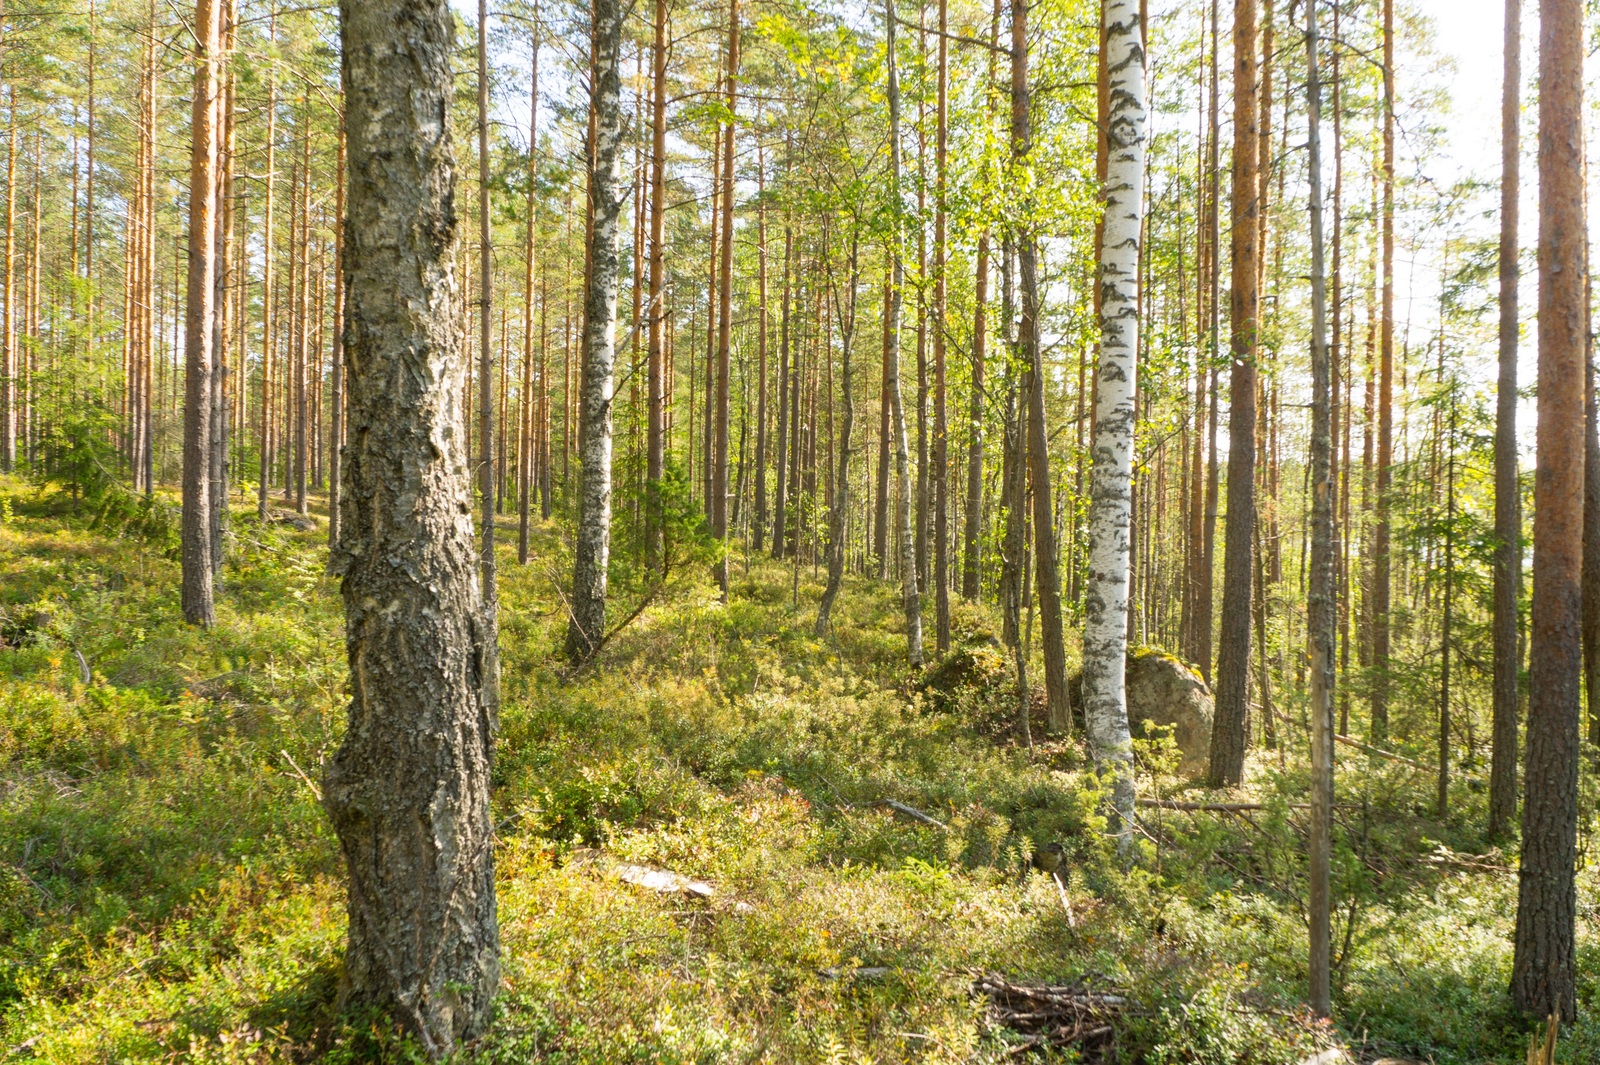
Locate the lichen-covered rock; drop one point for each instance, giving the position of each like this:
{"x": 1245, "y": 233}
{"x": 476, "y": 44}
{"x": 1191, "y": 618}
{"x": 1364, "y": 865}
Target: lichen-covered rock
{"x": 1164, "y": 691}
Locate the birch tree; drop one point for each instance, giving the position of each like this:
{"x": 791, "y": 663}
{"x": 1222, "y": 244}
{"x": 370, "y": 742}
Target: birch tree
{"x": 606, "y": 195}
{"x": 1105, "y": 631}
{"x": 408, "y": 790}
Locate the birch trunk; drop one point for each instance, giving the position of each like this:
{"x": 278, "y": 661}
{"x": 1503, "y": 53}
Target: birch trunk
{"x": 587, "y": 626}
{"x": 408, "y": 790}
{"x": 1105, "y": 633}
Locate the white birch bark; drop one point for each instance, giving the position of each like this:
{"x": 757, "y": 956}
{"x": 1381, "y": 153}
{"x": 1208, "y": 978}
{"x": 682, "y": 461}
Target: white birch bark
{"x": 593, "y": 552}
{"x": 1105, "y": 632}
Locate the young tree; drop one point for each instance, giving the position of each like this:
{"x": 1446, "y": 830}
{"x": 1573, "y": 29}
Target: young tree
{"x": 1320, "y": 594}
{"x": 486, "y": 461}
{"x": 1105, "y": 631}
{"x": 1381, "y": 540}
{"x": 719, "y": 458}
{"x": 1231, "y": 728}
{"x": 911, "y": 597}
{"x": 1507, "y": 502}
{"x": 408, "y": 790}
{"x": 199, "y": 319}
{"x": 1543, "y": 972}
{"x": 1038, "y": 457}
{"x": 587, "y": 625}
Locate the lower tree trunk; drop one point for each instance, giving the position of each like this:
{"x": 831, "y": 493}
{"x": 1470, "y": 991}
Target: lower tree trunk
{"x": 1543, "y": 974}
{"x": 587, "y": 625}
{"x": 199, "y": 325}
{"x": 408, "y": 790}
{"x": 1105, "y": 631}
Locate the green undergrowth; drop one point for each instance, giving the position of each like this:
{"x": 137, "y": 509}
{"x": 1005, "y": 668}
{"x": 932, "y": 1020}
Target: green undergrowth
{"x": 170, "y": 889}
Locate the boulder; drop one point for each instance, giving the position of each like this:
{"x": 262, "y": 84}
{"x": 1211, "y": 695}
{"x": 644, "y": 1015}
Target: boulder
{"x": 1164, "y": 691}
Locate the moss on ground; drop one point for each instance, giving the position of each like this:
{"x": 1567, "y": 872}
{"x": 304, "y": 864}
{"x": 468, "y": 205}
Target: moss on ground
{"x": 170, "y": 890}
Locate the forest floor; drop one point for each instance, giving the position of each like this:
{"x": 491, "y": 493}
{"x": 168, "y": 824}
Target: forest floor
{"x": 171, "y": 890}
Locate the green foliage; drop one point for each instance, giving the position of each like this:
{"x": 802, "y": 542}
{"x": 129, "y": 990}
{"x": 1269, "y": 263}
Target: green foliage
{"x": 169, "y": 888}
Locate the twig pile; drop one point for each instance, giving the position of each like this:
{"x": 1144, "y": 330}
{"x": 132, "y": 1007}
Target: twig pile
{"x": 1049, "y": 1015}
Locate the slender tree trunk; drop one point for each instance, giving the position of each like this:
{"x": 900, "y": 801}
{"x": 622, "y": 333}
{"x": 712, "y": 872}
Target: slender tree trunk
{"x": 1543, "y": 973}
{"x": 786, "y": 411}
{"x": 656, "y": 445}
{"x": 408, "y": 790}
{"x": 941, "y": 458}
{"x": 912, "y": 599}
{"x": 1380, "y": 561}
{"x": 1507, "y": 500}
{"x": 758, "y": 533}
{"x": 199, "y": 325}
{"x": 486, "y": 470}
{"x": 1230, "y": 732}
{"x": 587, "y": 624}
{"x": 1320, "y": 598}
{"x": 839, "y": 506}
{"x": 527, "y": 463}
{"x": 719, "y": 458}
{"x": 268, "y": 311}
{"x": 1105, "y": 634}
{"x": 336, "y": 435}
{"x": 1038, "y": 457}
{"x": 223, "y": 279}
{"x": 302, "y": 426}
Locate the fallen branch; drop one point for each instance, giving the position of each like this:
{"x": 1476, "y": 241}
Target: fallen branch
{"x": 1214, "y": 807}
{"x": 301, "y": 773}
{"x": 907, "y": 811}
{"x": 663, "y": 880}
{"x": 1048, "y": 1015}
{"x": 1349, "y": 741}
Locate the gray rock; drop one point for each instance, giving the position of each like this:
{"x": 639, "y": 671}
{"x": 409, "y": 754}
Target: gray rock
{"x": 1164, "y": 691}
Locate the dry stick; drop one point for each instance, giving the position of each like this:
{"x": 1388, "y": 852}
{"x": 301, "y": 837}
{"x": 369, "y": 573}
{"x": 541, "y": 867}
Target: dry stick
{"x": 1381, "y": 753}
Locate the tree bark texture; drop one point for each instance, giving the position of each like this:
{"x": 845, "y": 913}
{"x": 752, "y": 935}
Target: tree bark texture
{"x": 1542, "y": 977}
{"x": 1105, "y": 632}
{"x": 408, "y": 790}
{"x": 199, "y": 341}
{"x": 1507, "y": 498}
{"x": 1320, "y": 594}
{"x": 587, "y": 624}
{"x": 1231, "y": 729}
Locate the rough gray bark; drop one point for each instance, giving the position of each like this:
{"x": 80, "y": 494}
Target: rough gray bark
{"x": 1507, "y": 505}
{"x": 588, "y": 622}
{"x": 911, "y": 597}
{"x": 839, "y": 506}
{"x": 408, "y": 790}
{"x": 486, "y": 457}
{"x": 1105, "y": 630}
{"x": 1320, "y": 597}
{"x": 199, "y": 344}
